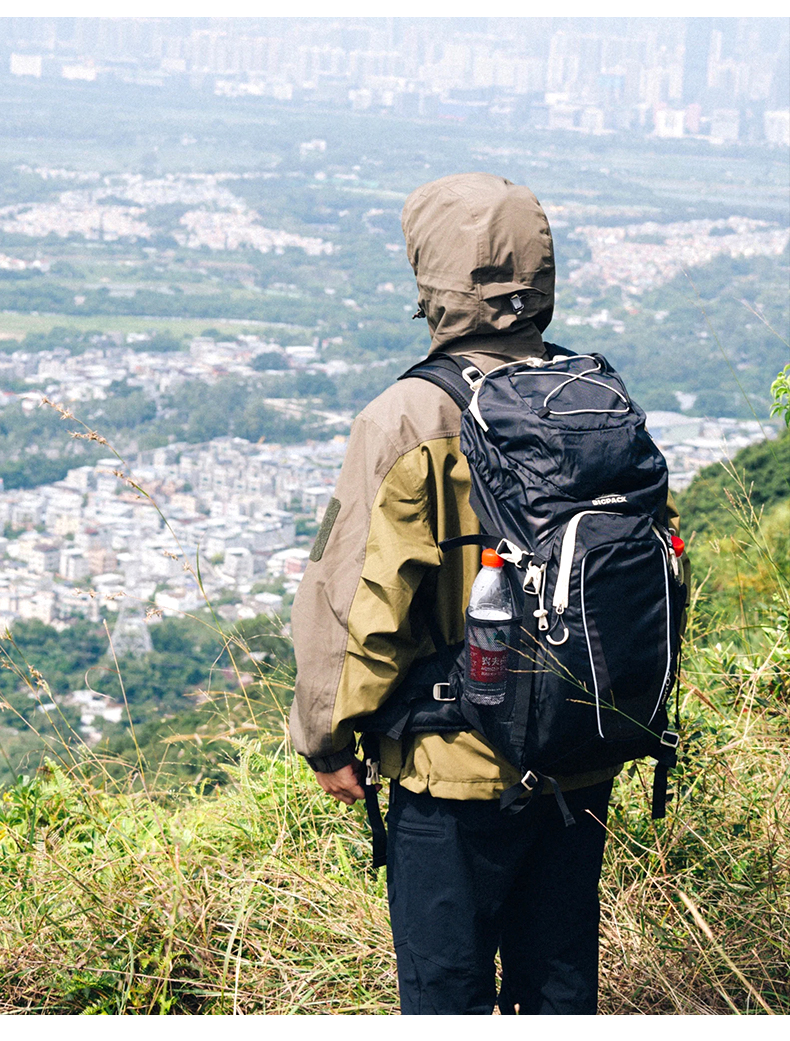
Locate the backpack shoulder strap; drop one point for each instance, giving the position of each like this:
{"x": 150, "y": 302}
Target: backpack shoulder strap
{"x": 555, "y": 351}
{"x": 446, "y": 372}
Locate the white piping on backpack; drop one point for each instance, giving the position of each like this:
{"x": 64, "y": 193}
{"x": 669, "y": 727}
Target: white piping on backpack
{"x": 567, "y": 553}
{"x": 540, "y": 363}
{"x": 583, "y": 377}
{"x": 590, "y": 655}
{"x": 562, "y": 588}
{"x": 670, "y": 552}
{"x": 669, "y": 636}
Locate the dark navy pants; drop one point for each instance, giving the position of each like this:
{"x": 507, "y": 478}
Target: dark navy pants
{"x": 466, "y": 880}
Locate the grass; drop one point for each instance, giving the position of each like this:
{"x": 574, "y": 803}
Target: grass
{"x": 257, "y": 898}
{"x": 250, "y": 900}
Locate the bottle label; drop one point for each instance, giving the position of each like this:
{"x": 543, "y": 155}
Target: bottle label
{"x": 487, "y": 666}
{"x": 487, "y": 654}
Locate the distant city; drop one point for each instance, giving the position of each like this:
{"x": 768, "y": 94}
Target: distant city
{"x": 201, "y": 260}
{"x": 722, "y": 79}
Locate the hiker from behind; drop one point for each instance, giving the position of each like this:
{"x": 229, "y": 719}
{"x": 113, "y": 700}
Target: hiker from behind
{"x": 488, "y": 849}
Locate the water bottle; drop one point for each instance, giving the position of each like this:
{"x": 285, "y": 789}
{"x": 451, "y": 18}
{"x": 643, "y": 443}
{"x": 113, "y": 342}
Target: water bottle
{"x": 488, "y": 633}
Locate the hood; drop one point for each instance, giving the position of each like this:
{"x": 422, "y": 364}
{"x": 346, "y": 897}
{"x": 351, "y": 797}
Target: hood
{"x": 473, "y": 241}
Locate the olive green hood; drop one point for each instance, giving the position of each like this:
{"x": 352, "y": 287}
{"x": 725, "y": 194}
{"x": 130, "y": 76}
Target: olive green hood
{"x": 473, "y": 241}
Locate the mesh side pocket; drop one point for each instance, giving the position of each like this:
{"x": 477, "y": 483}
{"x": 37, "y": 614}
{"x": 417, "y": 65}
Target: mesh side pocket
{"x": 488, "y": 655}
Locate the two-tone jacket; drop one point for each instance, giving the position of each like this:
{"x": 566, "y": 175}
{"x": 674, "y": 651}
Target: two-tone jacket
{"x": 375, "y": 574}
{"x": 376, "y": 571}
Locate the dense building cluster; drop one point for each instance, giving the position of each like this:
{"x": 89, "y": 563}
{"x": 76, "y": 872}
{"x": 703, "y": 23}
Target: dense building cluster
{"x": 216, "y": 218}
{"x": 187, "y": 525}
{"x": 724, "y": 79}
{"x": 641, "y": 256}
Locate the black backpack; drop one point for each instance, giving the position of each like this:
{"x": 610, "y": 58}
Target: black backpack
{"x": 571, "y": 491}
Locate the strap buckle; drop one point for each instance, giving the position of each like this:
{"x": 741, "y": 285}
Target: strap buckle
{"x": 510, "y": 552}
{"x": 530, "y": 780}
{"x": 670, "y": 739}
{"x": 472, "y": 375}
{"x": 534, "y": 578}
{"x": 372, "y": 776}
{"x": 438, "y": 689}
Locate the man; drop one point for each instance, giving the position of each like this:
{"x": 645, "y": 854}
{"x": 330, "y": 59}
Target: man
{"x": 464, "y": 878}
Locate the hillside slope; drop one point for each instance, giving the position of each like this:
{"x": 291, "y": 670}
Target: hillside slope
{"x": 761, "y": 470}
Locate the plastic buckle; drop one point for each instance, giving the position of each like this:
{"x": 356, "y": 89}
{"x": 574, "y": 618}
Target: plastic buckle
{"x": 437, "y": 692}
{"x": 670, "y": 739}
{"x": 372, "y": 776}
{"x": 510, "y": 552}
{"x": 534, "y": 578}
{"x": 472, "y": 375}
{"x": 529, "y": 780}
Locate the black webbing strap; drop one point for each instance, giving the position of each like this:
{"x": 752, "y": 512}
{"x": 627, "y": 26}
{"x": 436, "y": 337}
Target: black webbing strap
{"x": 555, "y": 351}
{"x": 567, "y": 816}
{"x": 370, "y": 749}
{"x": 396, "y": 726}
{"x": 446, "y": 657}
{"x": 660, "y": 778}
{"x": 489, "y": 541}
{"x": 445, "y": 372}
{"x": 508, "y": 798}
{"x": 667, "y": 759}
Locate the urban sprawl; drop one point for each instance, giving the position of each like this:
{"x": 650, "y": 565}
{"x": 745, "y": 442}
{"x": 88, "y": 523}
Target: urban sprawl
{"x": 725, "y": 80}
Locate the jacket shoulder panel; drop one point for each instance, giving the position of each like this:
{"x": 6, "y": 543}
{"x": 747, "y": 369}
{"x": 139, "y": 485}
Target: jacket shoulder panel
{"x": 411, "y": 412}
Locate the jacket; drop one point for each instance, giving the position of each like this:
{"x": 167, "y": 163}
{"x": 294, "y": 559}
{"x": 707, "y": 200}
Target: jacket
{"x": 376, "y": 571}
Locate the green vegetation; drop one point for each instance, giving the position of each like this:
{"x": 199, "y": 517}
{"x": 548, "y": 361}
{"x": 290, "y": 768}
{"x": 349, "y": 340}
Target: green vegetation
{"x": 32, "y": 449}
{"x": 720, "y": 337}
{"x": 199, "y": 679}
{"x": 196, "y": 412}
{"x": 780, "y": 388}
{"x": 762, "y": 470}
{"x": 17, "y": 326}
{"x": 248, "y": 900}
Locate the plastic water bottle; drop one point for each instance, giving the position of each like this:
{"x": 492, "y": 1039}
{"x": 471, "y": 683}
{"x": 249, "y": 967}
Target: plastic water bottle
{"x": 488, "y": 633}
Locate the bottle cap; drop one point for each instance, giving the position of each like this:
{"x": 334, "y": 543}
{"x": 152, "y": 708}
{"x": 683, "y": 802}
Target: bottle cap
{"x": 678, "y": 545}
{"x": 491, "y": 558}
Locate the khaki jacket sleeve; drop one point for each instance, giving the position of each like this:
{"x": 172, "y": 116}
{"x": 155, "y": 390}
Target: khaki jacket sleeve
{"x": 355, "y": 634}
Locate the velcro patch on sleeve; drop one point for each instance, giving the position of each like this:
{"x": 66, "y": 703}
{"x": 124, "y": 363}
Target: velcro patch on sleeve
{"x": 321, "y": 539}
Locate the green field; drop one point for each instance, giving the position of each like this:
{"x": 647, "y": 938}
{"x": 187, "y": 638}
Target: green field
{"x": 17, "y": 326}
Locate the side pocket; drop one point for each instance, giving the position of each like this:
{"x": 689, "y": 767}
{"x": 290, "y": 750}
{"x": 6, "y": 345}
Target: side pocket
{"x": 491, "y": 707}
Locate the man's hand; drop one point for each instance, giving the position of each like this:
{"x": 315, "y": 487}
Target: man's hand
{"x": 345, "y": 784}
